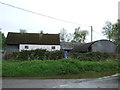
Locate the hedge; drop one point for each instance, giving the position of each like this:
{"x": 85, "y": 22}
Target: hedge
{"x": 40, "y": 54}
{"x": 92, "y": 56}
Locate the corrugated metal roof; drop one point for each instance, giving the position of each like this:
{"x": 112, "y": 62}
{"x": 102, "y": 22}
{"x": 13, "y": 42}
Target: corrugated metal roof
{"x": 32, "y": 38}
{"x": 68, "y": 45}
{"x": 85, "y": 47}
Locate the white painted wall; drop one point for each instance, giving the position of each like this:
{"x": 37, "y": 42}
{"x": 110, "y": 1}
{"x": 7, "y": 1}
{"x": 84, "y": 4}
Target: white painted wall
{"x": 33, "y": 47}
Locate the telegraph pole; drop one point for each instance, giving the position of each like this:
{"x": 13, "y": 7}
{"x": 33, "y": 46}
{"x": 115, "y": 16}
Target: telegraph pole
{"x": 91, "y": 33}
{"x": 119, "y": 10}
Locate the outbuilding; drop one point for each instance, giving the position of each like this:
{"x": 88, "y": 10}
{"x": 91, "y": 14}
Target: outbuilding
{"x": 97, "y": 46}
{"x": 68, "y": 46}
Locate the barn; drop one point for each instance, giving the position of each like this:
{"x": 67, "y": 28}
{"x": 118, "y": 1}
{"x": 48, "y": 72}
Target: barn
{"x": 96, "y": 46}
{"x": 30, "y": 41}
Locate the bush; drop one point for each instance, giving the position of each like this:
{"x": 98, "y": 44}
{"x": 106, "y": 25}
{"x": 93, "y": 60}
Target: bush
{"x": 54, "y": 55}
{"x": 38, "y": 54}
{"x": 91, "y": 56}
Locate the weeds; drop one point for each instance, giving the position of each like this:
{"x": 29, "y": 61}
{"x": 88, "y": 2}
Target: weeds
{"x": 59, "y": 67}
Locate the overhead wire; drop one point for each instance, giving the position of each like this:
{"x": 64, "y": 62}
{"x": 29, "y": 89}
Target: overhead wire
{"x": 97, "y": 33}
{"x": 42, "y": 14}
{"x": 46, "y": 16}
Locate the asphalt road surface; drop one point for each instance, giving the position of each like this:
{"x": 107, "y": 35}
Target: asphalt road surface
{"x": 104, "y": 82}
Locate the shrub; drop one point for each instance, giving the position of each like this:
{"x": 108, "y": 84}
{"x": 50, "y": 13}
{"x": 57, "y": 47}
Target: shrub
{"x": 91, "y": 56}
{"x": 38, "y": 54}
{"x": 54, "y": 55}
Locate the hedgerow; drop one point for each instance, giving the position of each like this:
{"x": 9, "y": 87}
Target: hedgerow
{"x": 92, "y": 56}
{"x": 40, "y": 54}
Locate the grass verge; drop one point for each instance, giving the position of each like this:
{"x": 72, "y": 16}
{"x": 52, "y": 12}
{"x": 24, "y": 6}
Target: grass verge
{"x": 36, "y": 68}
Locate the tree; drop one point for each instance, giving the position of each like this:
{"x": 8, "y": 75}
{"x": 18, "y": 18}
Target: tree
{"x": 64, "y": 36}
{"x": 79, "y": 35}
{"x": 41, "y": 32}
{"x": 2, "y": 41}
{"x": 84, "y": 33}
{"x": 107, "y": 30}
{"x": 112, "y": 31}
{"x": 116, "y": 32}
{"x": 69, "y": 37}
{"x": 23, "y": 31}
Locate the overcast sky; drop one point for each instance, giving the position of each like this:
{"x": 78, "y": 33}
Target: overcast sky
{"x": 86, "y": 12}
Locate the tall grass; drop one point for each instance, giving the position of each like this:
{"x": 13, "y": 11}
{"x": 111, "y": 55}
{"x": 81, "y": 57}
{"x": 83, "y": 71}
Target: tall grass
{"x": 52, "y": 67}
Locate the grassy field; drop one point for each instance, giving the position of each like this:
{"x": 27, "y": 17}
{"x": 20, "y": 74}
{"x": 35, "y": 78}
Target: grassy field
{"x": 36, "y": 68}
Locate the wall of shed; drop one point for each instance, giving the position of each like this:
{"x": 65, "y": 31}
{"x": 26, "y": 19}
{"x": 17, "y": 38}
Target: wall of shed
{"x": 12, "y": 48}
{"x": 32, "y": 47}
{"x": 104, "y": 46}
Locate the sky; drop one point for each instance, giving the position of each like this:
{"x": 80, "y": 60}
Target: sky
{"x": 86, "y": 13}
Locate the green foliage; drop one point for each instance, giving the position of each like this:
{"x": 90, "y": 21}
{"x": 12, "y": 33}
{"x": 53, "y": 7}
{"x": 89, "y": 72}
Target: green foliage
{"x": 64, "y": 36}
{"x": 116, "y": 32}
{"x": 23, "y": 31}
{"x": 54, "y": 55}
{"x": 0, "y": 68}
{"x": 2, "y": 41}
{"x": 92, "y": 56}
{"x": 118, "y": 48}
{"x": 107, "y": 30}
{"x": 52, "y": 68}
{"x": 112, "y": 31}
{"x": 79, "y": 36}
{"x": 38, "y": 54}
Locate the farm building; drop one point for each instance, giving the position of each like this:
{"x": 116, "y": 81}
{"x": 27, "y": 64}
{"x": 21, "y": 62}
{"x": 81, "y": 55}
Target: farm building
{"x": 68, "y": 46}
{"x": 97, "y": 46}
{"x": 30, "y": 41}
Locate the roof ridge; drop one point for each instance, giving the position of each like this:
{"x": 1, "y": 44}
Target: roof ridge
{"x": 33, "y": 33}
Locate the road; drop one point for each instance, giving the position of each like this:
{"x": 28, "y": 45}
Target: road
{"x": 104, "y": 82}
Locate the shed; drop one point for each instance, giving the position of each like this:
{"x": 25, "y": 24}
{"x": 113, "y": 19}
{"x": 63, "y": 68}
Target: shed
{"x": 97, "y": 46}
{"x": 68, "y": 46}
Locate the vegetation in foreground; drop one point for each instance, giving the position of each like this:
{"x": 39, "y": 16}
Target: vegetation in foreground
{"x": 40, "y": 54}
{"x": 55, "y": 67}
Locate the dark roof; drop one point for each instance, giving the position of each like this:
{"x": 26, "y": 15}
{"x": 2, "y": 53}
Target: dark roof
{"x": 32, "y": 38}
{"x": 68, "y": 45}
{"x": 85, "y": 47}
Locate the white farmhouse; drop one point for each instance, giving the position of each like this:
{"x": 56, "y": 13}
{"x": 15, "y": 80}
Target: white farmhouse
{"x": 30, "y": 41}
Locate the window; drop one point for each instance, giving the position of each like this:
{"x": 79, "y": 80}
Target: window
{"x": 53, "y": 47}
{"x": 26, "y": 47}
